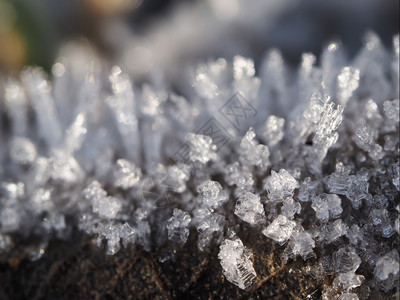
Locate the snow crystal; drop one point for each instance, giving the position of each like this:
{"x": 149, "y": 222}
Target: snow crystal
{"x": 280, "y": 230}
{"x": 346, "y": 260}
{"x": 236, "y": 263}
{"x": 290, "y": 208}
{"x": 252, "y": 153}
{"x": 327, "y": 205}
{"x": 347, "y": 281}
{"x": 280, "y": 185}
{"x": 208, "y": 224}
{"x": 301, "y": 243}
{"x": 249, "y": 209}
{"x": 211, "y": 194}
{"x": 177, "y": 226}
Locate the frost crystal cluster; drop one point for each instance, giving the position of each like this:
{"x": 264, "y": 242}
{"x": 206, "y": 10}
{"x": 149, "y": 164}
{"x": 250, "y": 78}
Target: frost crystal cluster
{"x": 304, "y": 161}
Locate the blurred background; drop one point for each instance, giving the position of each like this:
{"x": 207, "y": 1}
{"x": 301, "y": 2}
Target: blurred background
{"x": 143, "y": 33}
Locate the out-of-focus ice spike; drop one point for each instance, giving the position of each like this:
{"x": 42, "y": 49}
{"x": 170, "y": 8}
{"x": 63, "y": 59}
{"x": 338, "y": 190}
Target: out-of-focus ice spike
{"x": 280, "y": 230}
{"x": 153, "y": 125}
{"x": 274, "y": 84}
{"x": 244, "y": 80}
{"x": 94, "y": 190}
{"x": 202, "y": 148}
{"x": 252, "y": 153}
{"x": 41, "y": 201}
{"x": 347, "y": 82}
{"x": 395, "y": 64}
{"x": 126, "y": 174}
{"x": 309, "y": 78}
{"x": 274, "y": 130}
{"x": 38, "y": 173}
{"x": 106, "y": 207}
{"x": 210, "y": 82}
{"x": 5, "y": 242}
{"x": 75, "y": 134}
{"x": 249, "y": 209}
{"x": 391, "y": 109}
{"x": 12, "y": 190}
{"x": 373, "y": 64}
{"x": 243, "y": 68}
{"x": 39, "y": 91}
{"x": 236, "y": 263}
{"x": 10, "y": 219}
{"x": 88, "y": 92}
{"x": 332, "y": 59}
{"x": 122, "y": 104}
{"x": 152, "y": 137}
{"x": 64, "y": 168}
{"x": 17, "y": 106}
{"x": 22, "y": 150}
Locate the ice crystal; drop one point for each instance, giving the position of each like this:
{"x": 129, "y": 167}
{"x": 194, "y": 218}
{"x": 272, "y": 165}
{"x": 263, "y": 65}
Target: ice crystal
{"x": 387, "y": 270}
{"x": 211, "y": 194}
{"x": 177, "y": 226}
{"x": 327, "y": 205}
{"x": 249, "y": 209}
{"x": 280, "y": 230}
{"x": 138, "y": 164}
{"x": 347, "y": 281}
{"x": 209, "y": 225}
{"x": 290, "y": 208}
{"x": 236, "y": 263}
{"x": 252, "y": 153}
{"x": 280, "y": 185}
{"x": 346, "y": 260}
{"x": 301, "y": 243}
